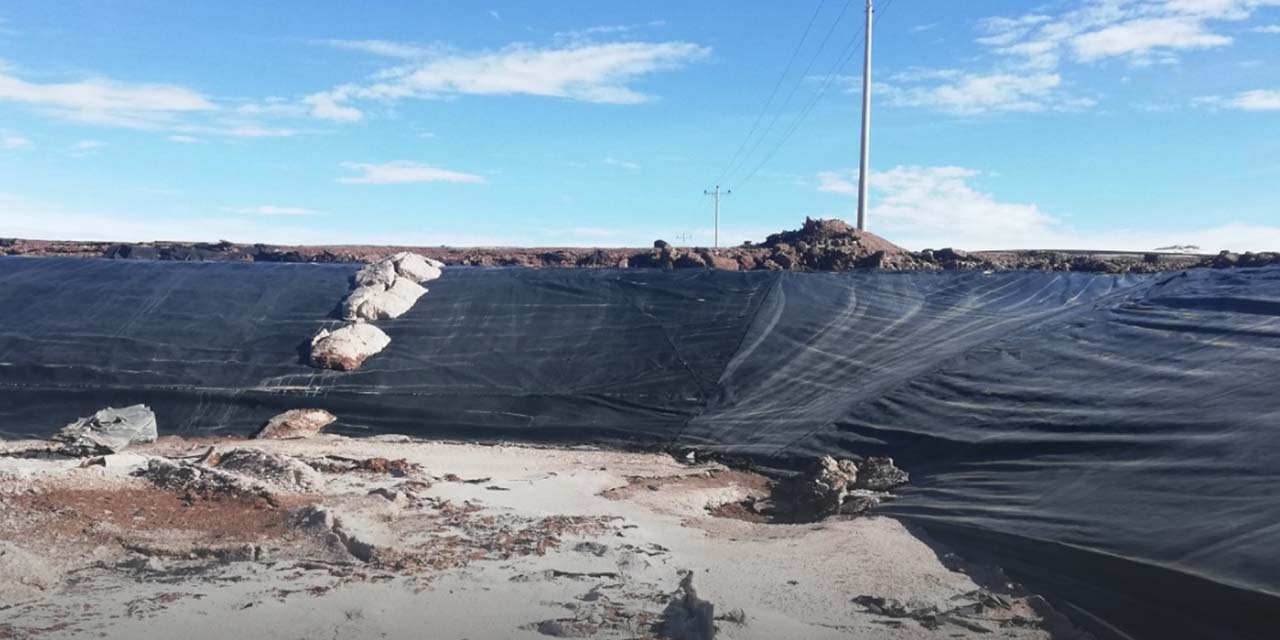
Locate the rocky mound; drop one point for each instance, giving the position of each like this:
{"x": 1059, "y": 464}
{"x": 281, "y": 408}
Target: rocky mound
{"x": 819, "y": 245}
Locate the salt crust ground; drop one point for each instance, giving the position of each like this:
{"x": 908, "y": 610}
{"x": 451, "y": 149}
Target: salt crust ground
{"x": 475, "y": 542}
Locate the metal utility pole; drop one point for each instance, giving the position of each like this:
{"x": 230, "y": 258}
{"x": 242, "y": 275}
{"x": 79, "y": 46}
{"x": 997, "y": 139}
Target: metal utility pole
{"x": 866, "y": 124}
{"x": 717, "y": 195}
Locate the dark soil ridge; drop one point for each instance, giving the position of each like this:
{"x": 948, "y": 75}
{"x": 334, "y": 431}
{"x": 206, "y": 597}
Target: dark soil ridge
{"x": 819, "y": 245}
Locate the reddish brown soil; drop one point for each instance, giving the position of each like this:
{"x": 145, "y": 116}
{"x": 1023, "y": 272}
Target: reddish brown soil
{"x": 101, "y": 515}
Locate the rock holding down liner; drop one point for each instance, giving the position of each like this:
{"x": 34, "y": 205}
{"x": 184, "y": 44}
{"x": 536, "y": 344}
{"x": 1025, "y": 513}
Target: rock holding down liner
{"x": 375, "y": 303}
{"x": 415, "y": 267}
{"x": 347, "y": 348}
{"x": 111, "y": 430}
{"x": 379, "y": 274}
{"x": 389, "y": 288}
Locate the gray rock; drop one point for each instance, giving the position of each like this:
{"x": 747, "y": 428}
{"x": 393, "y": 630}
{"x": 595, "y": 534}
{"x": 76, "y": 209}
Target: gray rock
{"x": 296, "y": 423}
{"x": 347, "y": 348}
{"x": 372, "y": 302}
{"x": 415, "y": 267}
{"x": 274, "y": 470}
{"x": 820, "y": 492}
{"x": 195, "y": 481}
{"x": 880, "y": 474}
{"x": 379, "y": 274}
{"x": 111, "y": 430}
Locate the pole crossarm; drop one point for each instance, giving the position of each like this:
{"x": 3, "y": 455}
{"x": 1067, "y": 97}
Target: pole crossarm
{"x": 717, "y": 194}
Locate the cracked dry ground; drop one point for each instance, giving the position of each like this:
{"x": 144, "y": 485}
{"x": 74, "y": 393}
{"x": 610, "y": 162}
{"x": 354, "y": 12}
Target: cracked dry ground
{"x": 387, "y": 538}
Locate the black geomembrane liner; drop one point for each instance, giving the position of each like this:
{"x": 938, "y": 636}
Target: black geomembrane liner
{"x": 1114, "y": 439}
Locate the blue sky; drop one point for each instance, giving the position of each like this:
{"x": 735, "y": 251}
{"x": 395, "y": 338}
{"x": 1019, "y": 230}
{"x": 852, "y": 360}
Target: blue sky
{"x": 1124, "y": 124}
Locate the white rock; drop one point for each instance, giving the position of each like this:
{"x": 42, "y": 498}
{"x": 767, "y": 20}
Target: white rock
{"x": 374, "y": 303}
{"x": 23, "y": 574}
{"x": 297, "y": 423}
{"x": 381, "y": 273}
{"x": 347, "y": 348}
{"x": 415, "y": 267}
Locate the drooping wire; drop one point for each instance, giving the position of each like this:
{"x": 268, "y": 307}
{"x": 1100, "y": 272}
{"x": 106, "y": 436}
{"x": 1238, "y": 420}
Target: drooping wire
{"x": 774, "y": 93}
{"x": 796, "y": 87}
{"x": 845, "y": 57}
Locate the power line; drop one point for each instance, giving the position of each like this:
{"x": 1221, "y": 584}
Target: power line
{"x": 717, "y": 195}
{"x": 782, "y": 109}
{"x": 847, "y": 55}
{"x": 777, "y": 85}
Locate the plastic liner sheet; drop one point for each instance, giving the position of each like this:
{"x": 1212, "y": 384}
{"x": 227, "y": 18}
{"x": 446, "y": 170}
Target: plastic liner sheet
{"x": 1114, "y": 440}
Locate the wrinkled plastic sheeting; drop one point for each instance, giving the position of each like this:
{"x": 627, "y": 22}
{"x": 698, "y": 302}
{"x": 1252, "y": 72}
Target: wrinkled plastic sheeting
{"x": 1119, "y": 432}
{"x": 112, "y": 429}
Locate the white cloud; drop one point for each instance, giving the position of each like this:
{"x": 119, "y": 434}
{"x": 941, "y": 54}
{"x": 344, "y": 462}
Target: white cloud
{"x": 970, "y": 94}
{"x": 597, "y": 73}
{"x": 623, "y": 164}
{"x": 1267, "y": 28}
{"x": 324, "y": 106}
{"x": 104, "y": 101}
{"x": 384, "y": 48}
{"x": 1256, "y": 100}
{"x": 185, "y": 139}
{"x": 145, "y": 106}
{"x": 1139, "y": 38}
{"x": 248, "y": 130}
{"x": 922, "y": 207}
{"x": 1032, "y": 50}
{"x": 273, "y": 210}
{"x": 85, "y": 148}
{"x": 24, "y": 218}
{"x": 580, "y": 35}
{"x": 13, "y": 141}
{"x": 938, "y": 201}
{"x": 403, "y": 173}
{"x": 1141, "y": 31}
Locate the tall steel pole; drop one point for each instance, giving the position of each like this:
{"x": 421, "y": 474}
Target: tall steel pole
{"x": 717, "y": 195}
{"x": 866, "y": 124}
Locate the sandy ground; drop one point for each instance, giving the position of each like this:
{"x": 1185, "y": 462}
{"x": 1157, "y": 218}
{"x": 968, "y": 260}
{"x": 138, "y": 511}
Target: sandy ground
{"x": 390, "y": 538}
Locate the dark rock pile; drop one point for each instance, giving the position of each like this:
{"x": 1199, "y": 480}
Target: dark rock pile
{"x": 818, "y": 245}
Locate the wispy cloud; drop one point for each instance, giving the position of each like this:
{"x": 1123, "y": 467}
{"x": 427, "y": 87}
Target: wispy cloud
{"x": 384, "y": 48}
{"x": 1029, "y": 54}
{"x": 146, "y": 106}
{"x": 1256, "y": 100}
{"x": 976, "y": 93}
{"x": 100, "y": 100}
{"x": 181, "y": 139}
{"x": 588, "y": 33}
{"x": 85, "y": 148}
{"x": 404, "y": 172}
{"x": 1139, "y": 31}
{"x": 622, "y": 164}
{"x": 1267, "y": 28}
{"x": 599, "y": 73}
{"x": 12, "y": 141}
{"x": 273, "y": 210}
